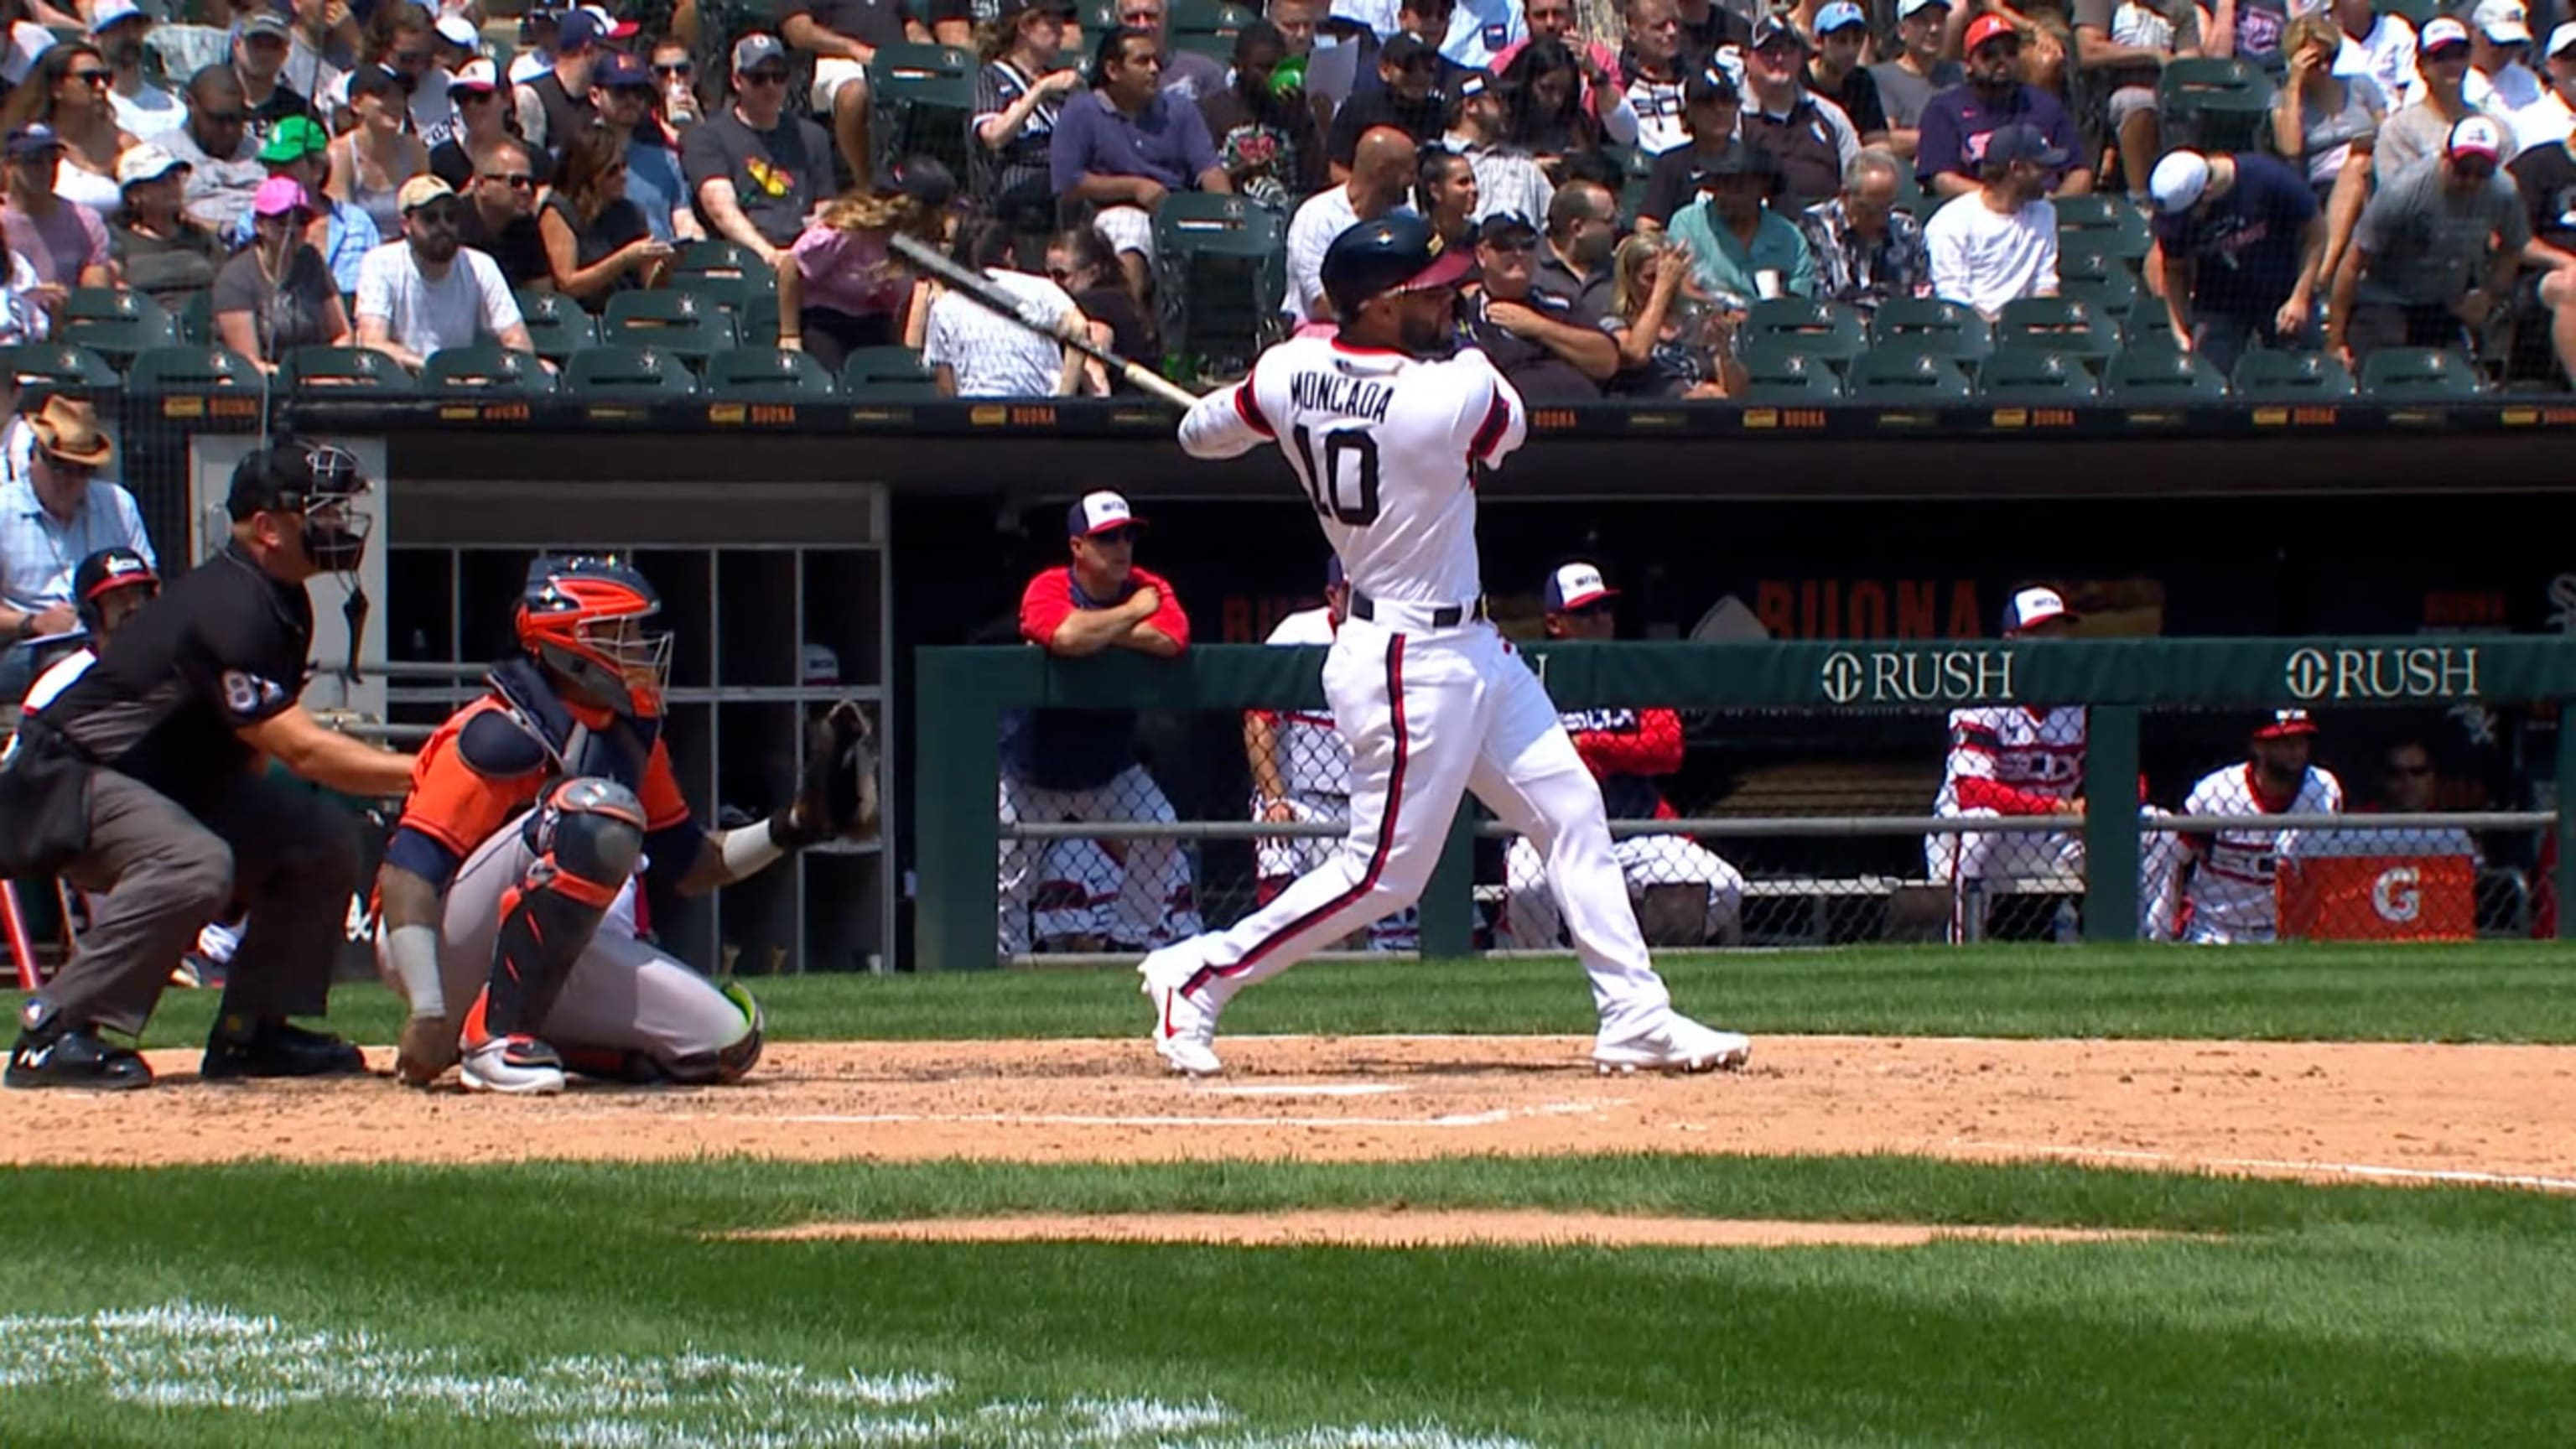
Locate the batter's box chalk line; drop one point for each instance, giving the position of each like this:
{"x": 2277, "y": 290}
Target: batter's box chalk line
{"x": 181, "y": 1355}
{"x": 2275, "y": 1165}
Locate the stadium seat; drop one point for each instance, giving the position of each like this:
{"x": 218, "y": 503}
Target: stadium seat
{"x": 557, "y": 324}
{"x": 756, "y": 324}
{"x": 485, "y": 367}
{"x": 1944, "y": 329}
{"x": 2148, "y": 327}
{"x": 1208, "y": 27}
{"x": 1827, "y": 331}
{"x": 2107, "y": 225}
{"x": 1221, "y": 266}
{"x": 2085, "y": 259}
{"x": 188, "y": 369}
{"x": 2293, "y": 377}
{"x": 1780, "y": 372}
{"x": 1907, "y": 374}
{"x": 619, "y": 370}
{"x": 2067, "y": 324}
{"x": 2214, "y": 105}
{"x": 681, "y": 324}
{"x": 195, "y": 323}
{"x": 769, "y": 373}
{"x": 307, "y": 369}
{"x": 920, "y": 98}
{"x": 58, "y": 366}
{"x": 715, "y": 257}
{"x": 2114, "y": 296}
{"x": 2035, "y": 377}
{"x": 2162, "y": 374}
{"x": 114, "y": 323}
{"x": 2420, "y": 374}
{"x": 2413, "y": 12}
{"x": 887, "y": 374}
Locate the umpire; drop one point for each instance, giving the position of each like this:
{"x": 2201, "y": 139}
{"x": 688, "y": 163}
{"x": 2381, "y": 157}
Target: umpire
{"x": 147, "y": 786}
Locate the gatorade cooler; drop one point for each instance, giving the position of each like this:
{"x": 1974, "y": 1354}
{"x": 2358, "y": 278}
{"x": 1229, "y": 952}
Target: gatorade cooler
{"x": 2378, "y": 898}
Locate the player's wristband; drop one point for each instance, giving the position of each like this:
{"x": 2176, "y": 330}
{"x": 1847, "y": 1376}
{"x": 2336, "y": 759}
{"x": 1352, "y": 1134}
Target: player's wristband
{"x": 754, "y": 847}
{"x": 413, "y": 953}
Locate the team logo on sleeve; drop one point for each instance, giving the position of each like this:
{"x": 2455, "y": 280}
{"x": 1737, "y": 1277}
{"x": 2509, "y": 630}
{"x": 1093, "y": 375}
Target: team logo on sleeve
{"x": 247, "y": 694}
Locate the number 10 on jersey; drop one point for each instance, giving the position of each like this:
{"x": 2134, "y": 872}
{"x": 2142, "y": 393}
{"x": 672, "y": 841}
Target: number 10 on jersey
{"x": 1347, "y": 461}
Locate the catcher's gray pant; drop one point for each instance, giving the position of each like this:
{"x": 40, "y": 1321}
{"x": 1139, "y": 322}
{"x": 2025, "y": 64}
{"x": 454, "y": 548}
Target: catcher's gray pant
{"x": 1155, "y": 903}
{"x": 1534, "y": 923}
{"x": 624, "y": 995}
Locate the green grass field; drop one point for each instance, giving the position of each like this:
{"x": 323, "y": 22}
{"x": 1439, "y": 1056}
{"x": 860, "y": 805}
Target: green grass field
{"x": 592, "y": 1305}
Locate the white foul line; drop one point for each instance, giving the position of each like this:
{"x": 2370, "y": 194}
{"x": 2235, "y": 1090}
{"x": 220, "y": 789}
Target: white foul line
{"x": 2266, "y": 1164}
{"x": 1317, "y": 1089}
{"x": 1062, "y": 1119}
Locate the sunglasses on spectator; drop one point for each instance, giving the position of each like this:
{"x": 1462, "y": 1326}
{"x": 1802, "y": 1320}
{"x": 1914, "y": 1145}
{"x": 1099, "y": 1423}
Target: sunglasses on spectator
{"x": 2447, "y": 54}
{"x": 515, "y": 181}
{"x": 676, "y": 68}
{"x": 2475, "y": 168}
{"x": 765, "y": 78}
{"x": 409, "y": 58}
{"x": 98, "y": 77}
{"x": 2001, "y": 45}
{"x": 444, "y": 213}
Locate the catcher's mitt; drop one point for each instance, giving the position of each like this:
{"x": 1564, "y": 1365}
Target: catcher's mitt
{"x": 839, "y": 793}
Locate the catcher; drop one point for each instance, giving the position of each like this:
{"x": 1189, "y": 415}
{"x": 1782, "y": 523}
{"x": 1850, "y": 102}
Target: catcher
{"x": 506, "y": 893}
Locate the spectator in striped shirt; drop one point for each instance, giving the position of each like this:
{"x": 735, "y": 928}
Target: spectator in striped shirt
{"x": 1507, "y": 177}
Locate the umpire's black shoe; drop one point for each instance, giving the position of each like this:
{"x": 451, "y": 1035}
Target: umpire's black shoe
{"x": 74, "y": 1059}
{"x": 275, "y": 1049}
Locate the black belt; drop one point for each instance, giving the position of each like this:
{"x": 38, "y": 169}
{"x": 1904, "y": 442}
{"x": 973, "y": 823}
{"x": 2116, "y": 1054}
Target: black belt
{"x": 1446, "y": 616}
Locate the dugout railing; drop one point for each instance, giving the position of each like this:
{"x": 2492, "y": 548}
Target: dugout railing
{"x": 1828, "y": 759}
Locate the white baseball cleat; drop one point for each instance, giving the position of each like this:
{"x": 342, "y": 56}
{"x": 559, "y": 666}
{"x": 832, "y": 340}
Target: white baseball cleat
{"x": 517, "y": 1065}
{"x": 1678, "y": 1044}
{"x": 1184, "y": 1031}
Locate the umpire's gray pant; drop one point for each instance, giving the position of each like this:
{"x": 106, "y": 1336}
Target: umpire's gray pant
{"x": 155, "y": 873}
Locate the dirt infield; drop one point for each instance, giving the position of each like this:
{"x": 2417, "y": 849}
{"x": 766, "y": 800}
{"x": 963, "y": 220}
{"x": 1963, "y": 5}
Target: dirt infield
{"x": 1428, "y": 1230}
{"x": 2397, "y": 1112}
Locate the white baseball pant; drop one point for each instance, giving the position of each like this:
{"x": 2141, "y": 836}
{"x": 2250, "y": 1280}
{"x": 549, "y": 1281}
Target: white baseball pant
{"x": 1154, "y": 897}
{"x": 2013, "y": 855}
{"x": 1534, "y": 923}
{"x": 1430, "y": 715}
{"x": 1283, "y": 858}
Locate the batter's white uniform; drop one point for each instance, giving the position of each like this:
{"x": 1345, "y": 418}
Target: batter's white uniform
{"x": 1623, "y": 747}
{"x": 1427, "y": 692}
{"x": 2230, "y": 898}
{"x": 1315, "y": 769}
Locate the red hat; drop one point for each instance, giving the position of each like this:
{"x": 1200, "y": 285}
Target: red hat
{"x": 1985, "y": 28}
{"x": 2286, "y": 723}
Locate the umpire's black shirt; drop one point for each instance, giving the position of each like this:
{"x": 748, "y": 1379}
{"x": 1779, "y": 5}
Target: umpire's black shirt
{"x": 222, "y": 648}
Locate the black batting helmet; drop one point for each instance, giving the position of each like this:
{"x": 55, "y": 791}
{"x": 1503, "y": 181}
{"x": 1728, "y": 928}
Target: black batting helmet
{"x": 105, "y": 572}
{"x": 1398, "y": 252}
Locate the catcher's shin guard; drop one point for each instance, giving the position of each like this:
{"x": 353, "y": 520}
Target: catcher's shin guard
{"x": 730, "y": 1063}
{"x": 586, "y": 836}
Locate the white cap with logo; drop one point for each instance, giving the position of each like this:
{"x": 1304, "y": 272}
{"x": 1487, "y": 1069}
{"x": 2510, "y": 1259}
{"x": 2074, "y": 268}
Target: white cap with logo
{"x": 2034, "y": 606}
{"x": 2503, "y": 21}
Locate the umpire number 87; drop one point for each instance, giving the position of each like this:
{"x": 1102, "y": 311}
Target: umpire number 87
{"x": 1323, "y": 475}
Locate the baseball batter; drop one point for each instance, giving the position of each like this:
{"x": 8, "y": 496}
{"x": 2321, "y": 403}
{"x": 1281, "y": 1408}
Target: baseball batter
{"x": 2228, "y": 894}
{"x": 1384, "y": 427}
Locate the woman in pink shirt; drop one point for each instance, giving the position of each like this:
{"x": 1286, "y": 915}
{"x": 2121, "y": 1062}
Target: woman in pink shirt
{"x": 841, "y": 287}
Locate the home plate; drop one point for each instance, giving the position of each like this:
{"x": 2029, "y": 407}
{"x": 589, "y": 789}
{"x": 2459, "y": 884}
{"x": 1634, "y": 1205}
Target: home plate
{"x": 1311, "y": 1089}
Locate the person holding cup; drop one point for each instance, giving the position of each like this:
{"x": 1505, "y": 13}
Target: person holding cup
{"x": 1743, "y": 250}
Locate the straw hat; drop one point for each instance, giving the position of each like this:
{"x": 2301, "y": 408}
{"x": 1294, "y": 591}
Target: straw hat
{"x": 68, "y": 429}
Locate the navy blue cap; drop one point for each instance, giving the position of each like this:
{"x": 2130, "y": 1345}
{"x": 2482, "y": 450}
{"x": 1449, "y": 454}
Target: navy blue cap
{"x": 2021, "y": 142}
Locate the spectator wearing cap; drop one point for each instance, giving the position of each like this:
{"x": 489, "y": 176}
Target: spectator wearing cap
{"x": 482, "y": 117}
{"x": 300, "y": 151}
{"x": 1808, "y": 135}
{"x": 596, "y": 241}
{"x": 843, "y": 36}
{"x": 755, "y": 170}
{"x": 223, "y": 160}
{"x": 2240, "y": 245}
{"x": 1712, "y": 110}
{"x": 27, "y": 302}
{"x": 429, "y": 291}
{"x": 2123, "y": 47}
{"x": 67, "y": 243}
{"x": 1601, "y": 99}
{"x": 1382, "y": 165}
{"x": 1265, "y": 134}
{"x": 1673, "y": 343}
{"x": 1866, "y": 250}
{"x": 1651, "y": 73}
{"x": 973, "y": 353}
{"x": 1427, "y": 21}
{"x": 278, "y": 293}
{"x": 622, "y": 93}
{"x": 1918, "y": 72}
{"x": 152, "y": 243}
{"x": 1835, "y": 72}
{"x": 55, "y": 511}
{"x": 2499, "y": 41}
{"x": 2436, "y": 250}
{"x": 371, "y": 163}
{"x": 1444, "y": 191}
{"x": 118, "y": 28}
{"x": 1019, "y": 93}
{"x": 261, "y": 44}
{"x": 1408, "y": 101}
{"x": 2379, "y": 43}
{"x": 1950, "y": 150}
{"x": 1684, "y": 894}
{"x": 556, "y": 104}
{"x": 406, "y": 43}
{"x": 1187, "y": 75}
{"x": 1126, "y": 143}
{"x": 2548, "y": 121}
{"x": 1999, "y": 244}
{"x": 2328, "y": 125}
{"x": 1742, "y": 249}
{"x": 1061, "y": 765}
{"x": 1507, "y": 177}
{"x": 2545, "y": 177}
{"x": 499, "y": 218}
{"x": 1548, "y": 346}
{"x": 66, "y": 96}
{"x": 2228, "y": 891}
{"x": 841, "y": 287}
{"x": 458, "y": 41}
{"x": 2416, "y": 134}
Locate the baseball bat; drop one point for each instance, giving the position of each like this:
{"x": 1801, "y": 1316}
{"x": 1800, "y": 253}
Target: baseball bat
{"x": 993, "y": 298}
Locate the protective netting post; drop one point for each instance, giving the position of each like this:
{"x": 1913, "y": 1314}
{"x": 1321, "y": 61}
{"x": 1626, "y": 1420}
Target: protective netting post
{"x": 2110, "y": 824}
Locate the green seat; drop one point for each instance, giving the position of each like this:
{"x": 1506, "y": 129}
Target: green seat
{"x": 2107, "y": 226}
{"x": 308, "y": 369}
{"x": 617, "y": 371}
{"x": 1905, "y": 375}
{"x": 1944, "y": 329}
{"x": 757, "y": 322}
{"x": 2165, "y": 374}
{"x": 1827, "y": 331}
{"x": 114, "y": 323}
{"x": 1221, "y": 266}
{"x": 485, "y": 367}
{"x": 2035, "y": 377}
{"x": 2069, "y": 324}
{"x": 920, "y": 98}
{"x": 2213, "y": 105}
{"x": 194, "y": 323}
{"x": 2149, "y": 327}
{"x": 557, "y": 324}
{"x": 59, "y": 367}
{"x": 887, "y": 374}
{"x": 1781, "y": 373}
{"x": 769, "y": 372}
{"x": 2413, "y": 12}
{"x": 682, "y": 324}
{"x": 2420, "y": 374}
{"x": 2084, "y": 259}
{"x": 1209, "y": 17}
{"x": 2115, "y": 296}
{"x": 188, "y": 369}
{"x": 2293, "y": 377}
{"x": 715, "y": 257}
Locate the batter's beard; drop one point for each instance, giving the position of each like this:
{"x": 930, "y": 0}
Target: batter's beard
{"x": 1426, "y": 334}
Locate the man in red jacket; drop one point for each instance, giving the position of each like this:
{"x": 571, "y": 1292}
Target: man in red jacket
{"x": 1685, "y": 894}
